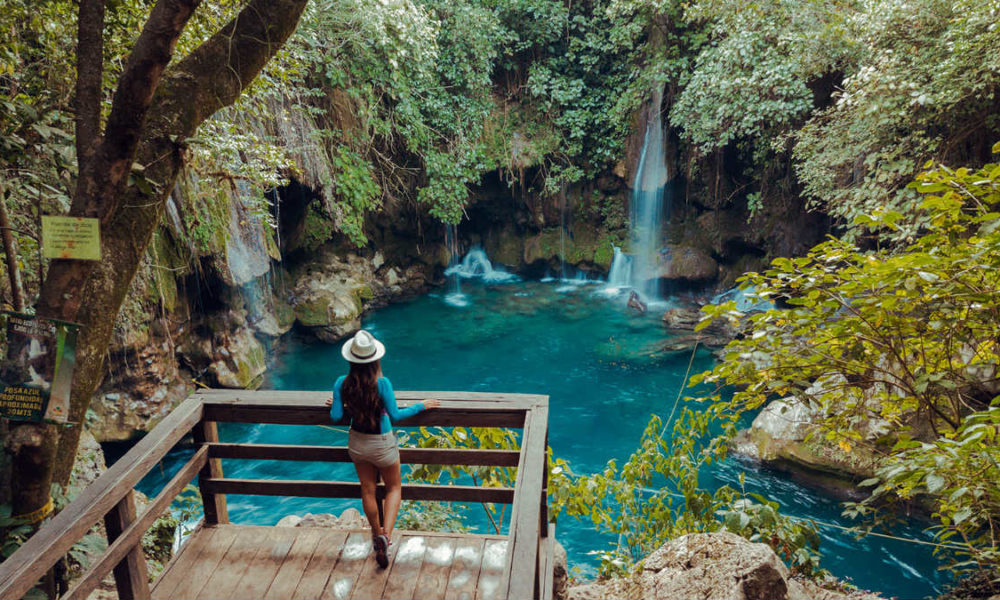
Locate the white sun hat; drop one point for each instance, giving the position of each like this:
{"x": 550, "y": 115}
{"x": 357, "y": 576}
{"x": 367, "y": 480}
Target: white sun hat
{"x": 362, "y": 348}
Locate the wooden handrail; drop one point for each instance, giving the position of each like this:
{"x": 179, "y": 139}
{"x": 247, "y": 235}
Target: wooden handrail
{"x": 110, "y": 496}
{"x": 132, "y": 536}
{"x": 348, "y": 489}
{"x": 22, "y": 570}
{"x": 408, "y": 456}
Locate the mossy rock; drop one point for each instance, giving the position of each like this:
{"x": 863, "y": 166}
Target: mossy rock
{"x": 313, "y": 313}
{"x": 363, "y": 294}
{"x": 604, "y": 253}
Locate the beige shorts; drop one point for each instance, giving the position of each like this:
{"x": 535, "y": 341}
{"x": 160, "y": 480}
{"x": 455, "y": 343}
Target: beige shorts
{"x": 379, "y": 449}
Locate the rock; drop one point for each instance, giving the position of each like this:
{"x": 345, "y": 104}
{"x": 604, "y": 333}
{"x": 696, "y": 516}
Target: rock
{"x": 88, "y": 464}
{"x": 289, "y": 521}
{"x": 240, "y": 360}
{"x": 330, "y": 294}
{"x": 711, "y": 566}
{"x": 688, "y": 264}
{"x": 684, "y": 321}
{"x": 560, "y": 572}
{"x": 137, "y": 393}
{"x": 785, "y": 435}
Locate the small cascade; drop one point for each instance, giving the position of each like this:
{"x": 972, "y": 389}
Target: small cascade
{"x": 648, "y": 213}
{"x": 562, "y": 232}
{"x": 455, "y": 297}
{"x": 477, "y": 265}
{"x": 247, "y": 258}
{"x": 620, "y": 275}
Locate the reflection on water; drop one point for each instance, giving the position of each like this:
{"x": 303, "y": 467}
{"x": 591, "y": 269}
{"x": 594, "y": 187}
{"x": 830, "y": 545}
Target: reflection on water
{"x": 605, "y": 373}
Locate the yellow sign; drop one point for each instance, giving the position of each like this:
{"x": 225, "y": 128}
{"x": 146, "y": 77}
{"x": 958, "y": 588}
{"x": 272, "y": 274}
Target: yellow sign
{"x": 71, "y": 237}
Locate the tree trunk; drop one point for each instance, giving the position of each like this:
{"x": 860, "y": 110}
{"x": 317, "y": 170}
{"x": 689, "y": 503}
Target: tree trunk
{"x": 10, "y": 250}
{"x": 210, "y": 78}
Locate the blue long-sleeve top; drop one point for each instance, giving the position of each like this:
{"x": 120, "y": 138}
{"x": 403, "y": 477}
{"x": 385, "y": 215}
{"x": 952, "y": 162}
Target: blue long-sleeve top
{"x": 391, "y": 412}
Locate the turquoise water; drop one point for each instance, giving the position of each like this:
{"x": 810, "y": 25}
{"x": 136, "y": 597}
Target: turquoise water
{"x": 600, "y": 366}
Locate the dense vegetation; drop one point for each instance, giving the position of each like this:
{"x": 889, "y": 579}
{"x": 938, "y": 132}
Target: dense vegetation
{"x": 839, "y": 103}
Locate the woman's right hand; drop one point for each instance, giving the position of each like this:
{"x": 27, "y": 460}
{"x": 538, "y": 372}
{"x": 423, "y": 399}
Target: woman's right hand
{"x": 431, "y": 403}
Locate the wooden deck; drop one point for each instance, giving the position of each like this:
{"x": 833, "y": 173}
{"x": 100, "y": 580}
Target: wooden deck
{"x": 231, "y": 561}
{"x": 310, "y": 563}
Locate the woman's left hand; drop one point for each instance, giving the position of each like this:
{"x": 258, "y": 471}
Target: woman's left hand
{"x": 329, "y": 402}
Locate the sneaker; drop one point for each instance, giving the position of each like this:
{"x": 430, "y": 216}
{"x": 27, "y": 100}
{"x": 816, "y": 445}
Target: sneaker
{"x": 381, "y": 550}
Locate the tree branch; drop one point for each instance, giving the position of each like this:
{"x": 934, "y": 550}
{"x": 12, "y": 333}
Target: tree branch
{"x": 89, "y": 76}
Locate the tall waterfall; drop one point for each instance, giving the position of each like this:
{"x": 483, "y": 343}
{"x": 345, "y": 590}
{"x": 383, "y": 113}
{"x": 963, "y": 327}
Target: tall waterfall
{"x": 649, "y": 211}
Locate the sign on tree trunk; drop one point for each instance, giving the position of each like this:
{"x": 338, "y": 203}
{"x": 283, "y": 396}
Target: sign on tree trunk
{"x": 71, "y": 237}
{"x": 37, "y": 373}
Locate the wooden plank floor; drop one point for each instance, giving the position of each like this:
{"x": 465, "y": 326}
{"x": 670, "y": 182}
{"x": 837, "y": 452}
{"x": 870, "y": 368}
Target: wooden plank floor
{"x": 306, "y": 563}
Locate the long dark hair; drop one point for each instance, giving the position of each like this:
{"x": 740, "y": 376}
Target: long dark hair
{"x": 360, "y": 394}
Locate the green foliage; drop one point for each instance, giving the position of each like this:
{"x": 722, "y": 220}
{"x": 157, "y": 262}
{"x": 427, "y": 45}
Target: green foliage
{"x": 959, "y": 472}
{"x": 925, "y": 76}
{"x": 888, "y": 346}
{"x": 480, "y": 438}
{"x": 890, "y": 335}
{"x": 430, "y": 516}
{"x": 655, "y": 497}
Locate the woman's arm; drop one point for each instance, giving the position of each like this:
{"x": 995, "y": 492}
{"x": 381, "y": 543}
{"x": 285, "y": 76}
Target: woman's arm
{"x": 389, "y": 403}
{"x": 337, "y": 405}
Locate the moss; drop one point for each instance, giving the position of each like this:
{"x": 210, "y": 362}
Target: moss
{"x": 317, "y": 229}
{"x": 250, "y": 367}
{"x": 604, "y": 253}
{"x": 313, "y": 313}
{"x": 363, "y": 294}
{"x": 505, "y": 247}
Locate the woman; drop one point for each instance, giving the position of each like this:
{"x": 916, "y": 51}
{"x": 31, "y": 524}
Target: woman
{"x": 367, "y": 398}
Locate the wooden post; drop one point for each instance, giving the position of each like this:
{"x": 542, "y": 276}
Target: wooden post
{"x": 131, "y": 577}
{"x": 206, "y": 432}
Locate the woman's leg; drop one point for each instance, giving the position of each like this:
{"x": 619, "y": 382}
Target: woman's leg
{"x": 368, "y": 475}
{"x": 393, "y": 495}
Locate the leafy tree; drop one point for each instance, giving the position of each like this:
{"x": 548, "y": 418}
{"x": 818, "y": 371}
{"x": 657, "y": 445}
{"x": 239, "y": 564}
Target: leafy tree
{"x": 156, "y": 106}
{"x": 895, "y": 350}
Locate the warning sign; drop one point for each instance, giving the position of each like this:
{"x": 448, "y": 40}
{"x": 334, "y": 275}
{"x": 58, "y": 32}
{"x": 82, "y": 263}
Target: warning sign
{"x": 71, "y": 237}
{"x": 37, "y": 373}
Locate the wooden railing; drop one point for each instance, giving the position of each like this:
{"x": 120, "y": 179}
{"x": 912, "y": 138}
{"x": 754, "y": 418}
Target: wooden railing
{"x": 528, "y": 567}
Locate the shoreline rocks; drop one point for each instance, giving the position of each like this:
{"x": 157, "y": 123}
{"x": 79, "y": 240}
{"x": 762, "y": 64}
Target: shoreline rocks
{"x": 712, "y": 566}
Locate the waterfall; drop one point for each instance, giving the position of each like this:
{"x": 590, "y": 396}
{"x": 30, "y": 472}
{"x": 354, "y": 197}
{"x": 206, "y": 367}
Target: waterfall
{"x": 247, "y": 258}
{"x": 562, "y": 233}
{"x": 455, "y": 297}
{"x": 647, "y": 211}
{"x": 246, "y": 250}
{"x": 477, "y": 265}
{"x": 620, "y": 275}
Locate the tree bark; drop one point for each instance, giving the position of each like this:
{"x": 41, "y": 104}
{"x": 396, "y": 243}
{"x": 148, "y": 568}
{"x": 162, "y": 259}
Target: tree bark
{"x": 10, "y": 249}
{"x": 210, "y": 78}
{"x": 89, "y": 78}
{"x": 100, "y": 184}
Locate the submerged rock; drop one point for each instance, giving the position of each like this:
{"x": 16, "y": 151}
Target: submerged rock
{"x": 712, "y": 566}
{"x": 683, "y": 321}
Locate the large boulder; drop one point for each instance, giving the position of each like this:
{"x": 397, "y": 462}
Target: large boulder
{"x": 142, "y": 385}
{"x": 711, "y": 566}
{"x": 786, "y": 435}
{"x": 686, "y": 263}
{"x": 227, "y": 351}
{"x": 330, "y": 292}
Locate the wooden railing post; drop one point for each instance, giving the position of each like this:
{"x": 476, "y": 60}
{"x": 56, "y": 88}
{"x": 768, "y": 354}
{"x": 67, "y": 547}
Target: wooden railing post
{"x": 206, "y": 432}
{"x": 131, "y": 576}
